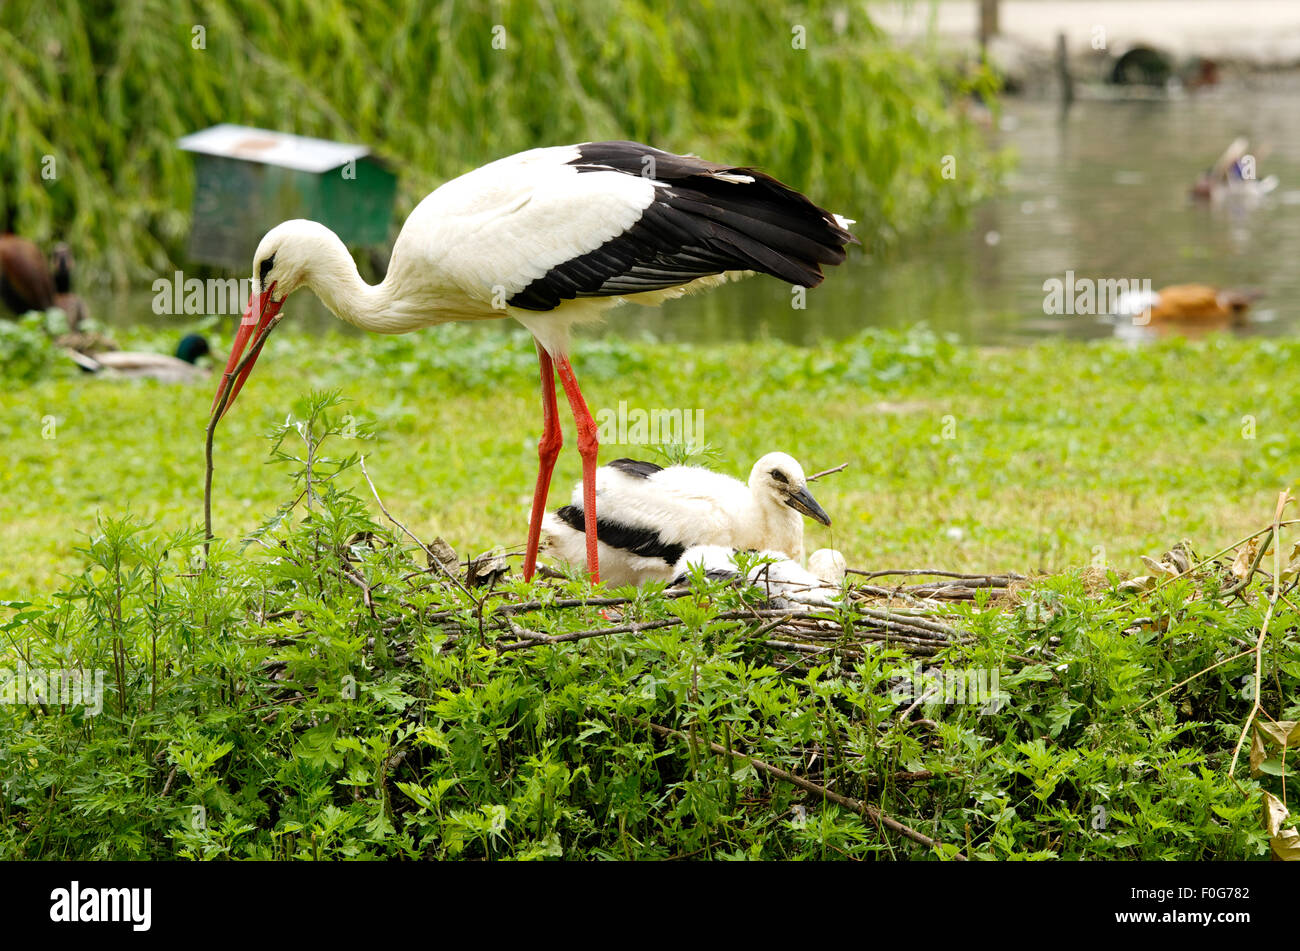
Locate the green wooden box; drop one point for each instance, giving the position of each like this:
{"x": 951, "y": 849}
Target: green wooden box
{"x": 249, "y": 180}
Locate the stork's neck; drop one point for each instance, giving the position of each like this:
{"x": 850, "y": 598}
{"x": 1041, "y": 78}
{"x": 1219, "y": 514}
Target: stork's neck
{"x": 411, "y": 295}
{"x": 777, "y": 526}
{"x": 335, "y": 280}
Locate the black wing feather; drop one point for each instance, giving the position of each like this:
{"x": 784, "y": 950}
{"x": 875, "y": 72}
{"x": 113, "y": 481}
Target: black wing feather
{"x": 636, "y": 468}
{"x": 698, "y": 225}
{"x": 638, "y": 541}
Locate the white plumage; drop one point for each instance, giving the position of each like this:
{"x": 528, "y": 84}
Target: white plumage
{"x": 648, "y": 515}
{"x": 477, "y": 242}
{"x": 828, "y": 565}
{"x": 552, "y": 237}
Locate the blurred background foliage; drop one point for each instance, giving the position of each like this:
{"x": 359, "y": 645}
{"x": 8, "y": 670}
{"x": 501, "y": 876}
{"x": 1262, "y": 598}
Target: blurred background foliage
{"x": 814, "y": 93}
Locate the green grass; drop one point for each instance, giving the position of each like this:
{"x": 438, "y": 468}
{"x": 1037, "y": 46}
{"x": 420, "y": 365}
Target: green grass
{"x": 865, "y": 122}
{"x": 1062, "y": 454}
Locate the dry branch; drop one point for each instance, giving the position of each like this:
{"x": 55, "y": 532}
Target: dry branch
{"x": 861, "y": 808}
{"x": 825, "y": 472}
{"x": 432, "y": 560}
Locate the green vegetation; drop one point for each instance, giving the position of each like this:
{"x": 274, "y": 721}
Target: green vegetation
{"x": 106, "y": 89}
{"x": 1062, "y": 454}
{"x": 321, "y": 691}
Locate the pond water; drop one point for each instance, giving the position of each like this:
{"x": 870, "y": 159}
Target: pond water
{"x": 1101, "y": 190}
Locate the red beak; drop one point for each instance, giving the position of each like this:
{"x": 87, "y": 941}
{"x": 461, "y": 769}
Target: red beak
{"x": 249, "y": 329}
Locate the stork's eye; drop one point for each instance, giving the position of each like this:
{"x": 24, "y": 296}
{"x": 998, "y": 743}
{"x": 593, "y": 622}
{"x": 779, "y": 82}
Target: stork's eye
{"x": 780, "y": 476}
{"x": 264, "y": 270}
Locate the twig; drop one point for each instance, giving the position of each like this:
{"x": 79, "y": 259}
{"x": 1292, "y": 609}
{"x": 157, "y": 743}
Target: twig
{"x": 360, "y": 582}
{"x": 910, "y": 621}
{"x": 594, "y": 632}
{"x": 812, "y": 648}
{"x": 527, "y": 634}
{"x": 963, "y": 585}
{"x": 862, "y": 592}
{"x": 223, "y": 397}
{"x": 433, "y": 559}
{"x": 526, "y": 606}
{"x": 881, "y": 630}
{"x": 825, "y": 472}
{"x": 771, "y": 626}
{"x": 1283, "y": 499}
{"x": 1270, "y": 537}
{"x": 782, "y": 617}
{"x": 935, "y": 573}
{"x": 925, "y": 695}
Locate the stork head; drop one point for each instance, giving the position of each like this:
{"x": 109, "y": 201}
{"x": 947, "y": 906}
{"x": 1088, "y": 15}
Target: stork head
{"x": 289, "y": 254}
{"x": 283, "y": 263}
{"x": 780, "y": 477}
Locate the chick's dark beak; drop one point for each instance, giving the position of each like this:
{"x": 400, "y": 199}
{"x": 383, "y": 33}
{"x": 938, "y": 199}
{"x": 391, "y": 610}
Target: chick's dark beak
{"x": 801, "y": 500}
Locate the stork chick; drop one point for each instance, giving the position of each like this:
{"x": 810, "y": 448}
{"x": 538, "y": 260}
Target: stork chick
{"x": 648, "y": 515}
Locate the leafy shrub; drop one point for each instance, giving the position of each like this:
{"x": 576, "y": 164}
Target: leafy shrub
{"x": 26, "y": 351}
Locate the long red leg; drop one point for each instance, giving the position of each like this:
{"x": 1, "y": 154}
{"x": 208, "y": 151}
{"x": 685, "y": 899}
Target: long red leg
{"x": 587, "y": 446}
{"x": 548, "y": 450}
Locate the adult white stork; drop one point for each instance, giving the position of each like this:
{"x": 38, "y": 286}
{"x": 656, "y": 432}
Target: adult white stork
{"x": 650, "y": 515}
{"x": 552, "y": 237}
